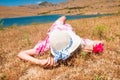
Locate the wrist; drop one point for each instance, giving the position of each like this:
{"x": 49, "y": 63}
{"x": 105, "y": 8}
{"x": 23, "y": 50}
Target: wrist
{"x": 38, "y": 62}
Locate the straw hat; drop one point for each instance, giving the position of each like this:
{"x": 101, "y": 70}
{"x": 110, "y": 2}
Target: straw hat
{"x": 63, "y": 43}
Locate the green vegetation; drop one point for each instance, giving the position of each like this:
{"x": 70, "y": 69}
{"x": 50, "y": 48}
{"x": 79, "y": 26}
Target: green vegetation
{"x": 99, "y": 77}
{"x": 66, "y": 8}
{"x": 1, "y": 25}
{"x": 100, "y": 30}
{"x": 84, "y": 55}
{"x": 44, "y": 13}
{"x": 3, "y": 77}
{"x": 71, "y": 8}
{"x": 118, "y": 13}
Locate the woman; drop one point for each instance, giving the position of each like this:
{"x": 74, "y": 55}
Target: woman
{"x": 62, "y": 41}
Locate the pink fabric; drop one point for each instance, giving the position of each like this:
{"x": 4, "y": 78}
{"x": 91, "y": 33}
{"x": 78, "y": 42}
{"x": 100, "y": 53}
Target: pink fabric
{"x": 96, "y": 49}
{"x": 44, "y": 45}
{"x": 60, "y": 26}
{"x": 87, "y": 42}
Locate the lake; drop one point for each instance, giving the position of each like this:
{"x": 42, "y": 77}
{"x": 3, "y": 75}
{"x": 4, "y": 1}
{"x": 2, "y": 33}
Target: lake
{"x": 7, "y": 22}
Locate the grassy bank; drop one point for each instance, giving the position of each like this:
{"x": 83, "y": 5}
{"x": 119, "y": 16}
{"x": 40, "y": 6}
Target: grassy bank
{"x": 105, "y": 66}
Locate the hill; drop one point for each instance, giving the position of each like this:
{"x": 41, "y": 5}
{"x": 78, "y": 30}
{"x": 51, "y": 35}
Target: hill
{"x": 45, "y": 3}
{"x": 71, "y": 7}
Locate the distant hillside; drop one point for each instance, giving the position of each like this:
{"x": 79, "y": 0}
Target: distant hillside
{"x": 71, "y": 7}
{"x": 45, "y": 3}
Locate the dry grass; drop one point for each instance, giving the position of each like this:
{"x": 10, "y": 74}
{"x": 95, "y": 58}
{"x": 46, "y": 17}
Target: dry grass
{"x": 105, "y": 66}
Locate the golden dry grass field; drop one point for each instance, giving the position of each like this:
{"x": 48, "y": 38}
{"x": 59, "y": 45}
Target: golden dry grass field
{"x": 105, "y": 66}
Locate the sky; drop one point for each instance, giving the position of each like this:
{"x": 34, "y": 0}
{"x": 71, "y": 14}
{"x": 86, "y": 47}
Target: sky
{"x": 25, "y": 2}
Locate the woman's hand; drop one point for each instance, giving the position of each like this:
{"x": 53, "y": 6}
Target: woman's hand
{"x": 89, "y": 48}
{"x": 49, "y": 62}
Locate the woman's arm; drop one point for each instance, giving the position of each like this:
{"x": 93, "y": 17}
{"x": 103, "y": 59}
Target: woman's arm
{"x": 27, "y": 55}
{"x": 62, "y": 19}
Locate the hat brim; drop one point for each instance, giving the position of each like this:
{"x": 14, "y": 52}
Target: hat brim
{"x": 76, "y": 43}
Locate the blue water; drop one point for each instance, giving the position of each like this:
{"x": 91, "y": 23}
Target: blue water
{"x": 7, "y": 22}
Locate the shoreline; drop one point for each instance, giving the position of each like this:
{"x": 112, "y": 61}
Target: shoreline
{"x": 55, "y": 14}
{"x": 19, "y": 21}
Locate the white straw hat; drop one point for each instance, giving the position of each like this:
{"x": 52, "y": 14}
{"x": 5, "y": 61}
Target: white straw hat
{"x": 61, "y": 39}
